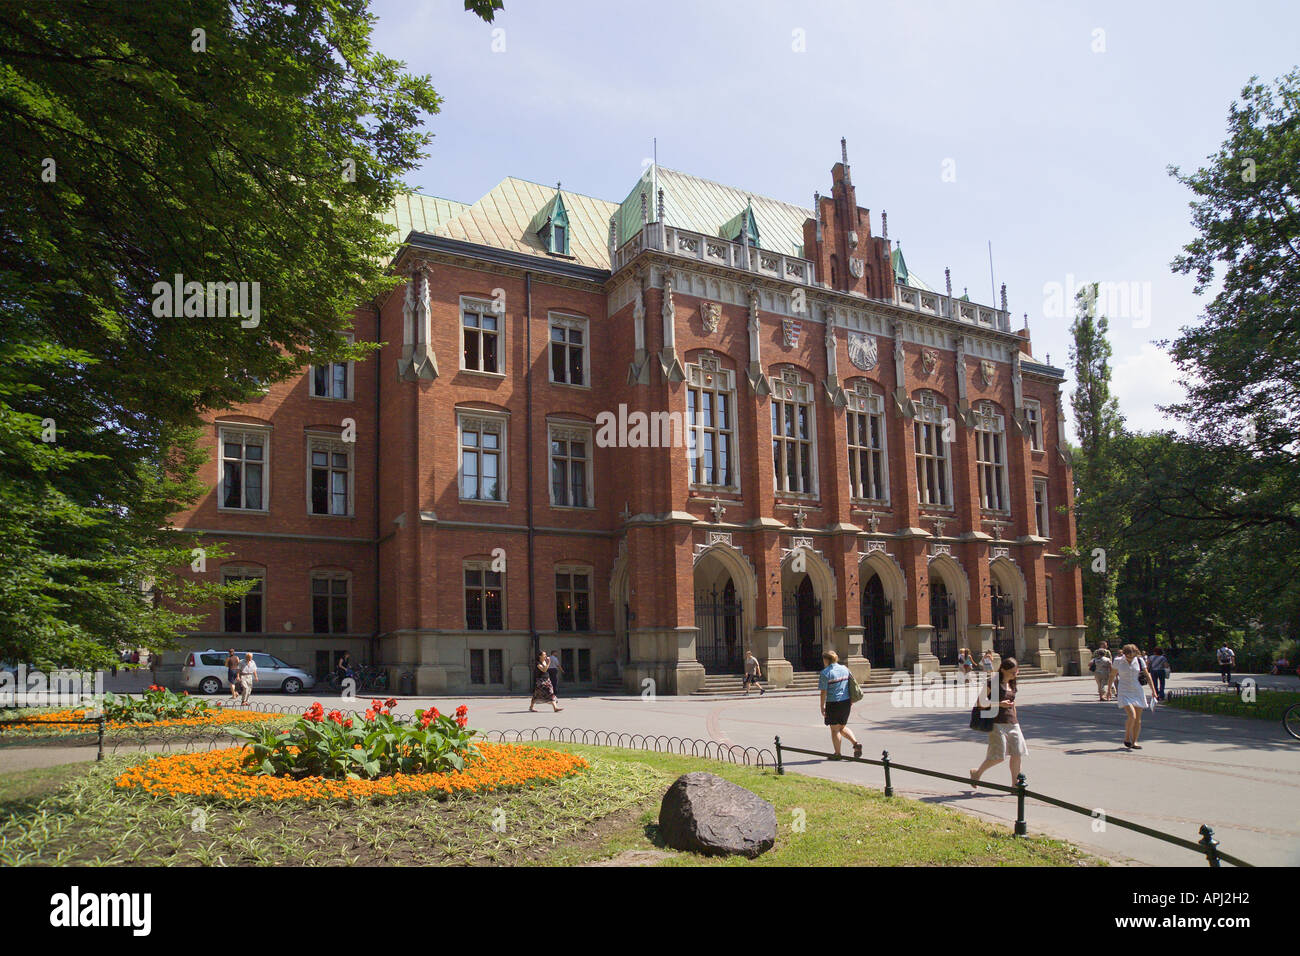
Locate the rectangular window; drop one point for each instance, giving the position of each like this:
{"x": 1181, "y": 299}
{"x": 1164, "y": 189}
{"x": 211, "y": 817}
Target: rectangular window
{"x": 481, "y": 333}
{"x": 711, "y": 426}
{"x": 496, "y": 667}
{"x": 866, "y": 437}
{"x": 931, "y": 453}
{"x": 1051, "y": 601}
{"x": 244, "y": 616}
{"x": 483, "y": 608}
{"x": 990, "y": 461}
{"x": 482, "y": 448}
{"x": 329, "y": 605}
{"x": 792, "y": 437}
{"x": 572, "y": 600}
{"x": 477, "y": 675}
{"x": 1040, "y": 507}
{"x": 243, "y": 464}
{"x": 330, "y": 464}
{"x": 1034, "y": 422}
{"x": 584, "y": 665}
{"x": 570, "y": 467}
{"x": 568, "y": 350}
{"x": 566, "y": 663}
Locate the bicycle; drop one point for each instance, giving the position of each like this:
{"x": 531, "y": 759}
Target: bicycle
{"x": 1291, "y": 721}
{"x": 368, "y": 678}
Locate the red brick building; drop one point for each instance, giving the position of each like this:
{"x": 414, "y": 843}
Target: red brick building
{"x": 651, "y": 435}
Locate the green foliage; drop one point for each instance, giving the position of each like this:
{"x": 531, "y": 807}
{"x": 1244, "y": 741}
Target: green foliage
{"x": 1268, "y": 705}
{"x": 249, "y": 141}
{"x": 337, "y": 747}
{"x": 156, "y": 703}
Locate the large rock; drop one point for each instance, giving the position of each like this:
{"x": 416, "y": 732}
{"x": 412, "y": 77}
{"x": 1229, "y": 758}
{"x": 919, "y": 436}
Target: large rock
{"x": 703, "y": 813}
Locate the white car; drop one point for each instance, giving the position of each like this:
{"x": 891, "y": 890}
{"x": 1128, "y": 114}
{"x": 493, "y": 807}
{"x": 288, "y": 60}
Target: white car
{"x": 206, "y": 672}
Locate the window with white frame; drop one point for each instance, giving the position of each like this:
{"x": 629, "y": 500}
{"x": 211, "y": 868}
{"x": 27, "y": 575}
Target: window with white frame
{"x": 793, "y": 434}
{"x": 484, "y": 607}
{"x": 243, "y": 468}
{"x": 568, "y": 349}
{"x": 480, "y": 337}
{"x": 1034, "y": 424}
{"x": 991, "y": 458}
{"x": 711, "y": 424}
{"x": 244, "y": 615}
{"x": 932, "y": 469}
{"x": 866, "y": 433}
{"x": 482, "y": 457}
{"x": 573, "y": 599}
{"x": 571, "y": 466}
{"x": 329, "y": 476}
{"x": 331, "y": 595}
{"x": 1040, "y": 507}
{"x": 333, "y": 380}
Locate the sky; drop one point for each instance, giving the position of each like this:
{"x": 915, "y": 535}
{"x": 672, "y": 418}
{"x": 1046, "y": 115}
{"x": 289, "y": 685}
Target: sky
{"x": 1044, "y": 128}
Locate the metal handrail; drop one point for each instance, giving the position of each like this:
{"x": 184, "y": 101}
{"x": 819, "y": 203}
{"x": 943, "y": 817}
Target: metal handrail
{"x": 1207, "y": 844}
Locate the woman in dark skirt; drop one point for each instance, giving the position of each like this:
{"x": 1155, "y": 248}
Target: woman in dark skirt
{"x": 542, "y": 689}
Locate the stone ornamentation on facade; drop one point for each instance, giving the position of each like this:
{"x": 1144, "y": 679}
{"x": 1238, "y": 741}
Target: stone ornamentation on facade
{"x": 718, "y": 511}
{"x": 929, "y": 360}
{"x": 710, "y": 314}
{"x": 638, "y": 372}
{"x": 757, "y": 380}
{"x": 719, "y": 537}
{"x": 418, "y": 360}
{"x": 790, "y": 329}
{"x": 874, "y": 546}
{"x": 938, "y": 549}
{"x": 668, "y": 361}
{"x": 856, "y": 268}
{"x": 853, "y": 239}
{"x": 1000, "y": 553}
{"x": 986, "y": 372}
{"x": 864, "y": 353}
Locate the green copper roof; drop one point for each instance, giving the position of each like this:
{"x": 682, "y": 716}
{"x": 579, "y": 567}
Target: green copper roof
{"x": 552, "y": 211}
{"x": 731, "y": 228}
{"x": 903, "y": 274}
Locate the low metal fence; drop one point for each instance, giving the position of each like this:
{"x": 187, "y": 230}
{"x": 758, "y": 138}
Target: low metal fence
{"x": 1207, "y": 844}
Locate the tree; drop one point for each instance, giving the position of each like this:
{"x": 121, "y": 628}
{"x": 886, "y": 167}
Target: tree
{"x": 250, "y": 143}
{"x": 1098, "y": 423}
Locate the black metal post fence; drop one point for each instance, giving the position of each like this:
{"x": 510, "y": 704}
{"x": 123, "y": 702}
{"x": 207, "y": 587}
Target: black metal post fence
{"x": 1207, "y": 845}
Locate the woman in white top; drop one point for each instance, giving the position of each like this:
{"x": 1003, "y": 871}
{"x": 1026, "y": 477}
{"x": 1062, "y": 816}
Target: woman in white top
{"x": 1125, "y": 675}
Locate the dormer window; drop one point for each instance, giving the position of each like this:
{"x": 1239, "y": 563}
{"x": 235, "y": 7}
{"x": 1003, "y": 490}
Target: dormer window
{"x": 741, "y": 225}
{"x": 551, "y": 225}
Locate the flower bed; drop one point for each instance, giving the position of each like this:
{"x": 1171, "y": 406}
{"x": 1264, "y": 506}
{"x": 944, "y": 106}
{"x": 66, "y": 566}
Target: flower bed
{"x": 221, "y": 774}
{"x": 45, "y": 724}
{"x": 154, "y": 705}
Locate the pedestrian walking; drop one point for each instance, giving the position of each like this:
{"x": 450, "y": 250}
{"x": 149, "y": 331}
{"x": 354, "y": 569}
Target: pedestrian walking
{"x": 1129, "y": 674}
{"x": 155, "y": 659}
{"x": 837, "y": 702}
{"x": 1101, "y": 668}
{"x": 553, "y": 671}
{"x": 247, "y": 678}
{"x": 543, "y": 690}
{"x": 232, "y": 674}
{"x": 965, "y": 661}
{"x": 986, "y": 662}
{"x": 1227, "y": 659}
{"x": 753, "y": 674}
{"x": 1158, "y": 664}
{"x": 1005, "y": 739}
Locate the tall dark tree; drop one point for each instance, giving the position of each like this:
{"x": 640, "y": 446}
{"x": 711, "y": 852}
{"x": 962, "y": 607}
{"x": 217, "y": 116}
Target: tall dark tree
{"x": 1097, "y": 423}
{"x": 251, "y": 142}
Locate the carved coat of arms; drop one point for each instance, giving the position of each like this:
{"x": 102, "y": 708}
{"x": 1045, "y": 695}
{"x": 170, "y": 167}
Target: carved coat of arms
{"x": 986, "y": 371}
{"x": 790, "y": 329}
{"x": 856, "y": 268}
{"x": 929, "y": 359}
{"x": 863, "y": 351}
{"x": 710, "y": 314}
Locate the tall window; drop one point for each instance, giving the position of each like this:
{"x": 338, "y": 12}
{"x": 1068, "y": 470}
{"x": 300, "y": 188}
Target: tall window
{"x": 481, "y": 337}
{"x": 330, "y": 477}
{"x": 333, "y": 380}
{"x": 568, "y": 350}
{"x": 711, "y": 425}
{"x": 483, "y": 607}
{"x": 1034, "y": 423}
{"x": 1040, "y": 507}
{"x": 243, "y": 464}
{"x": 1051, "y": 600}
{"x": 570, "y": 466}
{"x": 792, "y": 434}
{"x": 495, "y": 670}
{"x": 931, "y": 452}
{"x": 329, "y": 603}
{"x": 244, "y": 615}
{"x": 866, "y": 424}
{"x": 573, "y": 599}
{"x": 990, "y": 458}
{"x": 482, "y": 458}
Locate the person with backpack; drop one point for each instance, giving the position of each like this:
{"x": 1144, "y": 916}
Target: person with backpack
{"x": 1100, "y": 667}
{"x": 1227, "y": 659}
{"x": 1158, "y": 664}
{"x": 837, "y": 685}
{"x": 1005, "y": 736}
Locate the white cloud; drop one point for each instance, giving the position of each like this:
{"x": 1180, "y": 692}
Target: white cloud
{"x": 1143, "y": 380}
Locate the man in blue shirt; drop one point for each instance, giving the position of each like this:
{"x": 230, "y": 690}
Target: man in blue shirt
{"x": 836, "y": 702}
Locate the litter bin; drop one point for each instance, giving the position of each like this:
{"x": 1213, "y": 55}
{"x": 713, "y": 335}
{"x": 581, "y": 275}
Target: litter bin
{"x": 1071, "y": 668}
{"x": 406, "y": 685}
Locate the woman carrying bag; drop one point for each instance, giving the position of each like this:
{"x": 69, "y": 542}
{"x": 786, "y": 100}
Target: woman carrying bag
{"x": 1005, "y": 737}
{"x": 1129, "y": 675}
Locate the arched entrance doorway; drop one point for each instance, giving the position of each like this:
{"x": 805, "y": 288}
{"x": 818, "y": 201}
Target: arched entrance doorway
{"x": 1007, "y": 603}
{"x": 943, "y": 617}
{"x": 802, "y": 612}
{"x": 877, "y": 624}
{"x": 721, "y": 639}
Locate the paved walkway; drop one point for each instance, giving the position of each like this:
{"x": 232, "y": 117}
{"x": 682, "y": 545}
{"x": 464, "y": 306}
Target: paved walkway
{"x": 1241, "y": 777}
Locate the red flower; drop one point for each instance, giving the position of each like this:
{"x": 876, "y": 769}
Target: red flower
{"x": 462, "y": 720}
{"x": 336, "y": 716}
{"x": 347, "y": 724}
{"x": 391, "y": 702}
{"x": 462, "y": 710}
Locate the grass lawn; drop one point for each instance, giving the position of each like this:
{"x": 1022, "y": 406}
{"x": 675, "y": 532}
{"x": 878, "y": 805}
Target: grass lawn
{"x": 1268, "y": 704}
{"x": 72, "y": 815}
